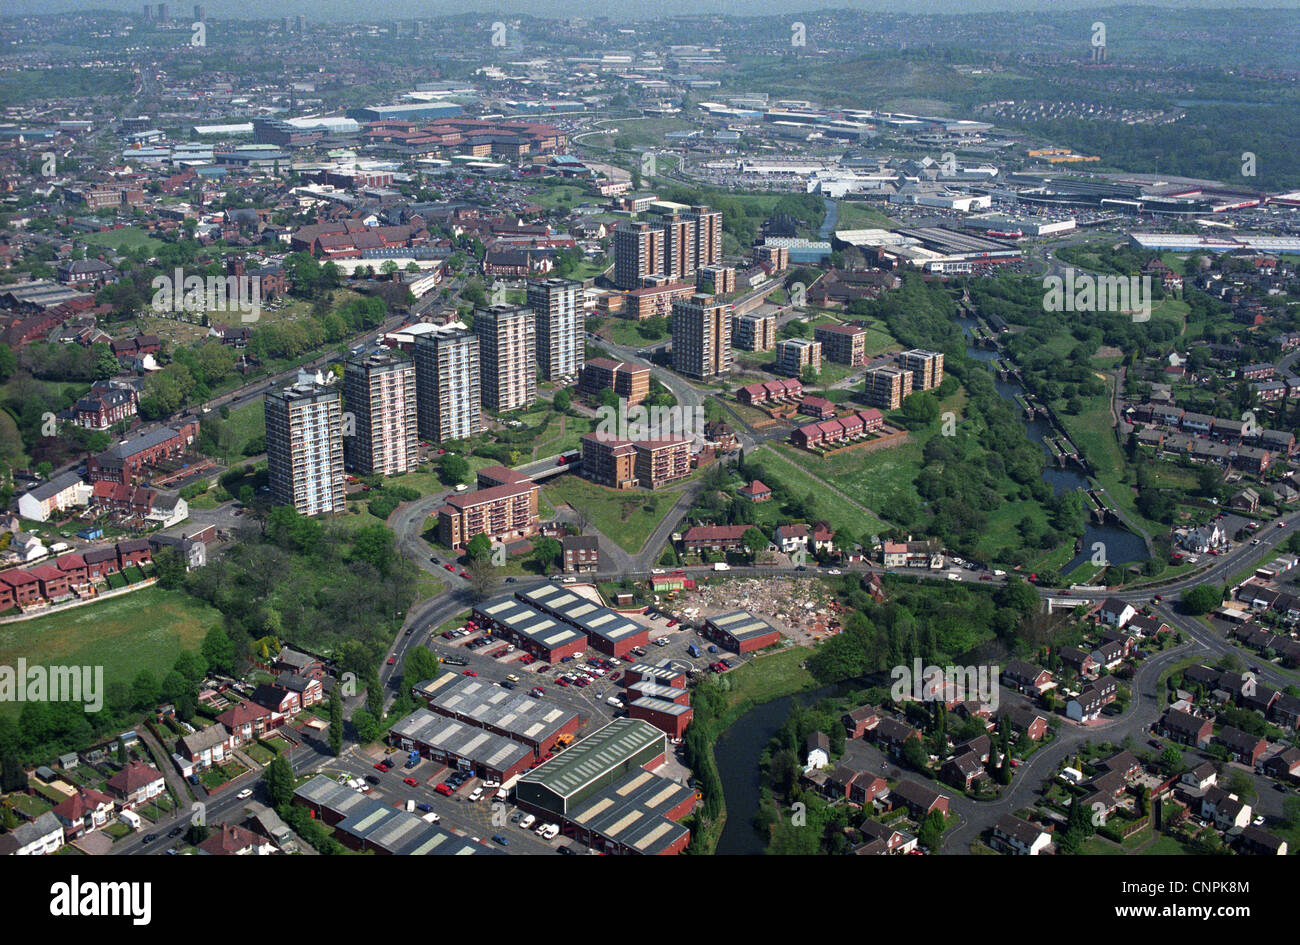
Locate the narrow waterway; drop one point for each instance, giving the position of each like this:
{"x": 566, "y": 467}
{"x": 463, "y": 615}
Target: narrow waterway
{"x": 737, "y": 753}
{"x": 1121, "y": 545}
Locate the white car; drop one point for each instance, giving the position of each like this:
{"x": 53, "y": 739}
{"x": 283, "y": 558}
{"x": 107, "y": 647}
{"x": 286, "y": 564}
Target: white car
{"x": 476, "y": 794}
{"x": 834, "y": 571}
{"x": 656, "y": 570}
{"x": 527, "y": 821}
{"x": 491, "y": 784}
{"x": 245, "y": 794}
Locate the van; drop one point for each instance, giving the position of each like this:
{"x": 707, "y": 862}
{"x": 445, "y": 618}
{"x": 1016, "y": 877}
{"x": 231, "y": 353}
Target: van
{"x": 615, "y": 701}
{"x": 410, "y": 806}
{"x": 548, "y": 832}
{"x": 431, "y": 817}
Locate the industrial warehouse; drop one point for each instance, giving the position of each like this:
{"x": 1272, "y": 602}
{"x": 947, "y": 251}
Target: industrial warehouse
{"x": 536, "y": 723}
{"x": 741, "y": 631}
{"x": 461, "y": 746}
{"x": 363, "y": 824}
{"x": 552, "y": 622}
{"x": 602, "y": 792}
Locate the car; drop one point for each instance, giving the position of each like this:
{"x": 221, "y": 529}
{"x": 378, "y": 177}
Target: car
{"x": 537, "y": 692}
{"x": 511, "y": 580}
{"x": 410, "y": 782}
{"x": 445, "y": 789}
{"x": 834, "y": 571}
{"x": 465, "y": 575}
{"x": 382, "y": 766}
{"x": 476, "y": 794}
{"x": 567, "y": 851}
{"x": 433, "y": 559}
{"x": 515, "y": 817}
{"x": 527, "y": 821}
{"x": 497, "y": 838}
{"x": 454, "y": 661}
{"x": 1158, "y": 598}
{"x": 449, "y": 566}
{"x": 506, "y": 684}
{"x": 150, "y": 837}
{"x": 512, "y": 677}
{"x": 371, "y": 779}
{"x": 176, "y": 831}
{"x": 245, "y": 794}
{"x": 392, "y": 660}
{"x": 1279, "y": 786}
{"x": 469, "y": 672}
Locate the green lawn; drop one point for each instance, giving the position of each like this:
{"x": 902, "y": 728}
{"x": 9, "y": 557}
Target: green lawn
{"x": 129, "y": 237}
{"x": 143, "y": 630}
{"x": 789, "y": 466}
{"x": 624, "y": 516}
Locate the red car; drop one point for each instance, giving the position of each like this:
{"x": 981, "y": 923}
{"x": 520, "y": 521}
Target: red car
{"x": 382, "y": 766}
{"x": 465, "y": 574}
{"x": 392, "y": 660}
{"x": 444, "y": 790}
{"x": 448, "y": 566}
{"x": 410, "y": 781}
{"x": 469, "y": 672}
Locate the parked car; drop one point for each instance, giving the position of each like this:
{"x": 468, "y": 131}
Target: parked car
{"x": 245, "y": 794}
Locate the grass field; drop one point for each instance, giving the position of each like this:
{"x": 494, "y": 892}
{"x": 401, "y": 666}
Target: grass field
{"x": 626, "y": 517}
{"x": 771, "y": 676}
{"x": 143, "y": 630}
{"x": 128, "y": 238}
{"x": 861, "y": 216}
{"x": 789, "y": 465}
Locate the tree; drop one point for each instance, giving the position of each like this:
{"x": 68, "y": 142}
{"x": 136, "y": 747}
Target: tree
{"x": 562, "y": 400}
{"x": 336, "y": 721}
{"x": 1201, "y": 599}
{"x": 170, "y": 567}
{"x": 479, "y": 548}
{"x": 754, "y": 541}
{"x": 546, "y": 552}
{"x": 482, "y": 578}
{"x": 279, "y": 781}
{"x": 370, "y": 728}
{"x": 218, "y": 650}
{"x": 453, "y": 470}
{"x": 420, "y": 664}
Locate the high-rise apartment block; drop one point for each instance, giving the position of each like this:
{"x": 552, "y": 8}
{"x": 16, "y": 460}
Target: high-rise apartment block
{"x": 557, "y": 306}
{"x": 926, "y": 367}
{"x": 753, "y": 332}
{"x": 447, "y": 384}
{"x": 304, "y": 447}
{"x": 716, "y": 280}
{"x": 379, "y": 392}
{"x": 886, "y": 387}
{"x": 638, "y": 253}
{"x": 796, "y": 355}
{"x": 843, "y": 344}
{"x": 507, "y": 350}
{"x": 676, "y": 246}
{"x": 701, "y": 337}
